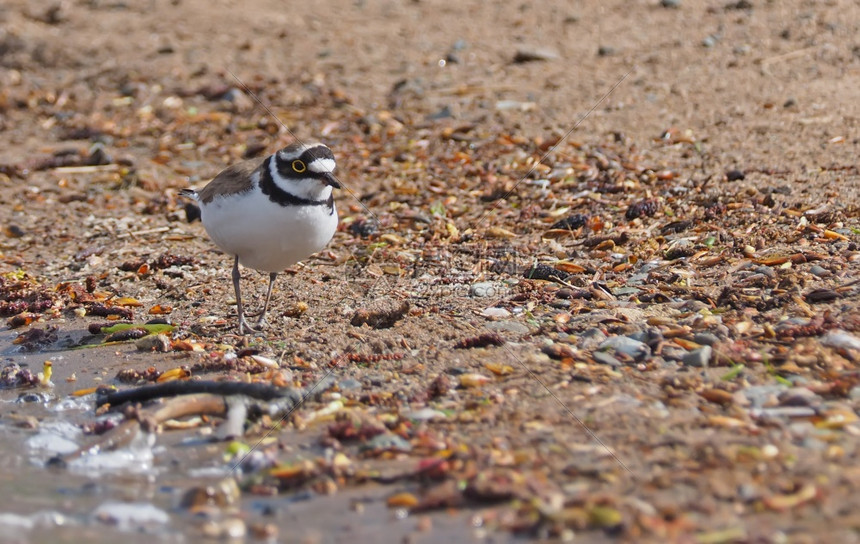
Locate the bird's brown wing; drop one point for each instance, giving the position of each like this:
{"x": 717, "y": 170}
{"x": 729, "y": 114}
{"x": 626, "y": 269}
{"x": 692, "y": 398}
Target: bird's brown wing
{"x": 232, "y": 180}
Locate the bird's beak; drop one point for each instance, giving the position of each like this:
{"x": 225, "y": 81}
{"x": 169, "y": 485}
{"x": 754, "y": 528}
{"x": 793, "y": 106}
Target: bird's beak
{"x": 331, "y": 180}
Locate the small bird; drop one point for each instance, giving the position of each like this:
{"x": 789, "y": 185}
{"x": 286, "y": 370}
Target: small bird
{"x": 271, "y": 213}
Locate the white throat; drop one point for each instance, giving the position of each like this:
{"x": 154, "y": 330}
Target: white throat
{"x": 309, "y": 188}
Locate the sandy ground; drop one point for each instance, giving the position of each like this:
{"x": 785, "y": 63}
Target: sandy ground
{"x": 704, "y": 154}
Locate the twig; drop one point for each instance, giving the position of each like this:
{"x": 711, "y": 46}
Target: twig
{"x": 145, "y": 231}
{"x": 86, "y": 169}
{"x": 118, "y": 437}
{"x": 175, "y": 388}
{"x": 787, "y": 56}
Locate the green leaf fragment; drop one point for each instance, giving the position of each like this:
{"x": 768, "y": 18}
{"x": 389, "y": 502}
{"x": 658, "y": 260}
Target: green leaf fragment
{"x": 733, "y": 373}
{"x": 151, "y": 329}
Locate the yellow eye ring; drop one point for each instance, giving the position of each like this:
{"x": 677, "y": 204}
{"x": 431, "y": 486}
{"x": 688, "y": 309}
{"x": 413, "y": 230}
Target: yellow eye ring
{"x": 299, "y": 166}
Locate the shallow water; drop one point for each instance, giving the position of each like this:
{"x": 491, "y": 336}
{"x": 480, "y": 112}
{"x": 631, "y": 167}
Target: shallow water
{"x": 133, "y": 494}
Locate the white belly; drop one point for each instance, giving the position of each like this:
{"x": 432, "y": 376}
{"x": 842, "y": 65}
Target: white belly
{"x": 266, "y": 236}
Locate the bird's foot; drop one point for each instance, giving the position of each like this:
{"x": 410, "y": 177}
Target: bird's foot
{"x": 244, "y": 327}
{"x": 262, "y": 323}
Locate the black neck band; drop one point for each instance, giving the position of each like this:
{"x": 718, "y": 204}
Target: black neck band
{"x": 279, "y": 196}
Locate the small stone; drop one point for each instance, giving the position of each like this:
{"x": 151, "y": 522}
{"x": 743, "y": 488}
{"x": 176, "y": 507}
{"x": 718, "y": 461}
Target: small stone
{"x": 705, "y": 338}
{"x": 605, "y": 51}
{"x": 605, "y": 359}
{"x": 787, "y": 411}
{"x": 673, "y": 353}
{"x": 349, "y": 384}
{"x": 717, "y": 396}
{"x": 627, "y": 346}
{"x": 387, "y": 442}
{"x": 224, "y": 529}
{"x": 536, "y": 360}
{"x": 380, "y": 314}
{"x": 763, "y": 395}
{"x": 670, "y": 3}
{"x": 497, "y": 313}
{"x": 710, "y": 41}
{"x": 735, "y": 175}
{"x": 531, "y": 54}
{"x": 819, "y": 271}
{"x": 485, "y": 289}
{"x": 559, "y": 351}
{"x": 698, "y": 357}
{"x": 799, "y": 396}
{"x": 564, "y": 293}
{"x": 130, "y": 515}
{"x": 693, "y": 306}
{"x": 154, "y": 342}
{"x": 424, "y": 414}
{"x": 591, "y": 338}
{"x": 513, "y": 327}
{"x": 846, "y": 343}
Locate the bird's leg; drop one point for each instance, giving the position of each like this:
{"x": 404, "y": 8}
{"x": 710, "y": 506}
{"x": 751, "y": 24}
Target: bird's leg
{"x": 261, "y": 323}
{"x": 243, "y": 325}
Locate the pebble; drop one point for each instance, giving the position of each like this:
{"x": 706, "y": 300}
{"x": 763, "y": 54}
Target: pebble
{"x": 537, "y": 360}
{"x": 424, "y": 414}
{"x": 499, "y": 313}
{"x": 604, "y": 358}
{"x": 698, "y": 357}
{"x": 819, "y": 271}
{"x": 389, "y": 442}
{"x": 761, "y": 395}
{"x": 766, "y": 271}
{"x": 153, "y": 342}
{"x": 224, "y": 529}
{"x": 591, "y": 338}
{"x": 626, "y": 291}
{"x": 127, "y": 515}
{"x": 628, "y": 346}
{"x": 693, "y": 306}
{"x": 485, "y": 289}
{"x": 840, "y": 339}
{"x": 799, "y": 396}
{"x": 508, "y": 326}
{"x": 559, "y": 351}
{"x": 530, "y": 54}
{"x": 786, "y": 411}
{"x": 673, "y": 353}
{"x": 651, "y": 337}
{"x": 670, "y": 3}
{"x": 636, "y": 279}
{"x": 705, "y": 338}
{"x": 349, "y": 384}
{"x": 748, "y": 493}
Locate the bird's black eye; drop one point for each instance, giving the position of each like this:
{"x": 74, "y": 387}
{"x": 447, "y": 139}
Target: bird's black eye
{"x": 299, "y": 166}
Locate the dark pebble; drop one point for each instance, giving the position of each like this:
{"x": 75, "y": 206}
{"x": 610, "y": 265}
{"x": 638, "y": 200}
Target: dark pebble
{"x": 571, "y": 222}
{"x": 544, "y": 272}
{"x": 14, "y": 231}
{"x": 364, "y": 227}
{"x": 735, "y": 175}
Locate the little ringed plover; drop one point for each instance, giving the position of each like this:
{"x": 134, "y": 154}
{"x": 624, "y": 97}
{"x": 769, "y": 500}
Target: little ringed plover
{"x": 271, "y": 213}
